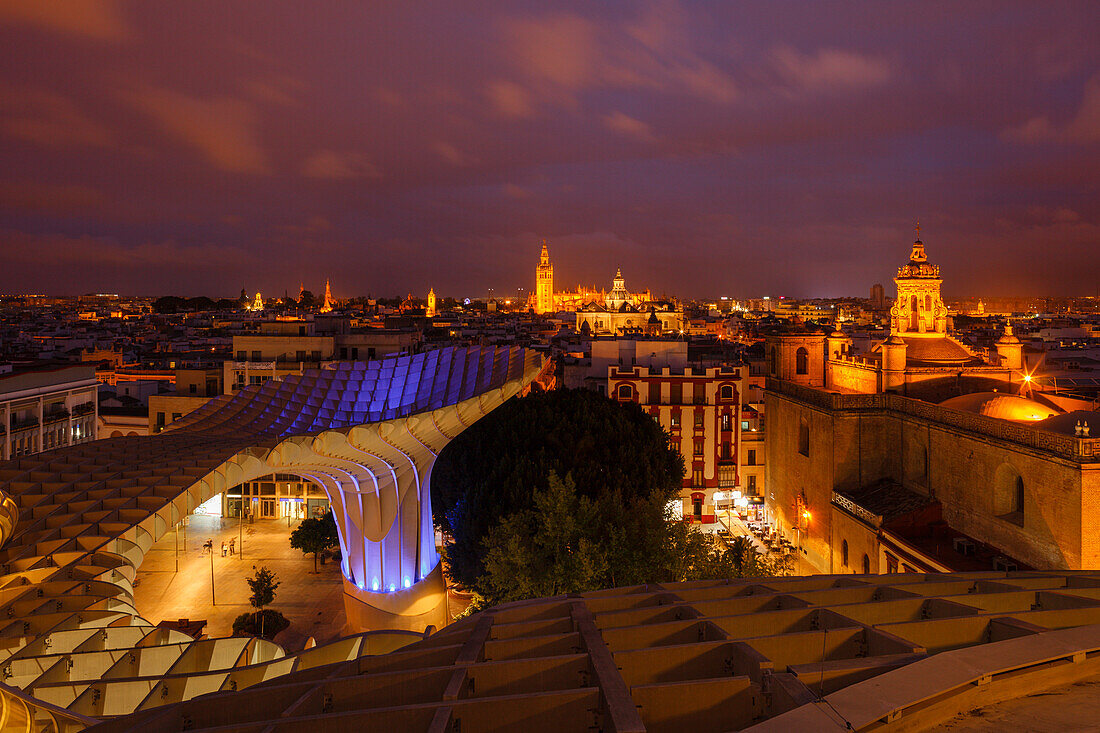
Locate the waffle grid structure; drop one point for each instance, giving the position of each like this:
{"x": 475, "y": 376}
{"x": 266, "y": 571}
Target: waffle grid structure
{"x": 814, "y": 653}
{"x": 76, "y": 522}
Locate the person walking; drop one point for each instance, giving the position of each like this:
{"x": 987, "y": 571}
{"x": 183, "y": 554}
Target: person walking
{"x": 232, "y": 545}
{"x": 223, "y": 549}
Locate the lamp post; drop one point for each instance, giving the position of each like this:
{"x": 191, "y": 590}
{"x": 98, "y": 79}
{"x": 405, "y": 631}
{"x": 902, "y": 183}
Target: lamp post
{"x": 213, "y": 601}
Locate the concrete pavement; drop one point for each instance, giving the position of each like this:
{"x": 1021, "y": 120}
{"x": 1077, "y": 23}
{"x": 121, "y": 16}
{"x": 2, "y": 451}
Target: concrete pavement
{"x": 313, "y": 602}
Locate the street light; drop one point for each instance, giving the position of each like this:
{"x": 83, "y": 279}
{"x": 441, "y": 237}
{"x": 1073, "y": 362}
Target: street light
{"x": 213, "y": 601}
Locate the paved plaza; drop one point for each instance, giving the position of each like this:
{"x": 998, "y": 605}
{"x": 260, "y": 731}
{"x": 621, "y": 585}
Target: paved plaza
{"x": 312, "y": 602}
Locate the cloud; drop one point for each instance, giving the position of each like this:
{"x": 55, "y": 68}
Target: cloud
{"x": 628, "y": 126}
{"x": 510, "y": 99}
{"x": 453, "y": 155}
{"x": 513, "y": 191}
{"x": 97, "y": 19}
{"x": 222, "y": 129}
{"x": 282, "y": 90}
{"x": 48, "y": 119}
{"x": 566, "y": 54}
{"x": 51, "y": 198}
{"x": 830, "y": 69}
{"x": 562, "y": 49}
{"x": 65, "y": 250}
{"x": 332, "y": 165}
{"x": 1083, "y": 127}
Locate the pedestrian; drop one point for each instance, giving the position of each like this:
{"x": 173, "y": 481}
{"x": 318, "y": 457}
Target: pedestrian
{"x": 223, "y": 549}
{"x": 208, "y": 546}
{"x": 232, "y": 544}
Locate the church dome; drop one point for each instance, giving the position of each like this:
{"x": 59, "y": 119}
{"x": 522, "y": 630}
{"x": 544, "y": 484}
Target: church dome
{"x": 1003, "y": 406}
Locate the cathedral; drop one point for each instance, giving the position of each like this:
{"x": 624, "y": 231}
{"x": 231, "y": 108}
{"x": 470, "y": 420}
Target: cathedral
{"x": 919, "y": 358}
{"x": 923, "y": 454}
{"x": 616, "y": 311}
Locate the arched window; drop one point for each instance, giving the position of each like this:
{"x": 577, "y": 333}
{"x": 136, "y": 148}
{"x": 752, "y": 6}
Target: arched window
{"x": 844, "y": 553}
{"x": 804, "y": 436}
{"x": 802, "y": 361}
{"x": 913, "y": 314}
{"x": 625, "y": 392}
{"x": 1008, "y": 494}
{"x": 866, "y": 565}
{"x": 727, "y": 392}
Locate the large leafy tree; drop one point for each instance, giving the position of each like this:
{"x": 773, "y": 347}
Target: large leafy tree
{"x": 545, "y": 550}
{"x": 566, "y": 543}
{"x": 616, "y": 455}
{"x": 314, "y": 535}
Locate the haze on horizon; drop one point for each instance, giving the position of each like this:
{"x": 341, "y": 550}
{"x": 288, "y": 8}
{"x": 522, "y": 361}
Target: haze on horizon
{"x": 706, "y": 148}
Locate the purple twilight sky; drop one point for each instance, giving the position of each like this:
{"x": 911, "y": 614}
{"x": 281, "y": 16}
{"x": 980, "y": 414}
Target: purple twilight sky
{"x": 707, "y": 148}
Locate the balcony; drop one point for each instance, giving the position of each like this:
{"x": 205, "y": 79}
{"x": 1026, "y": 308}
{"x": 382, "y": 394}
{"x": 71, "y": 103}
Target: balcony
{"x": 25, "y": 423}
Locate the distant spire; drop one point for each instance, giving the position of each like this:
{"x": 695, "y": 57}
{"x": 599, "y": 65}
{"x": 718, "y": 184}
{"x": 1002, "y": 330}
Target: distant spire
{"x": 327, "y": 307}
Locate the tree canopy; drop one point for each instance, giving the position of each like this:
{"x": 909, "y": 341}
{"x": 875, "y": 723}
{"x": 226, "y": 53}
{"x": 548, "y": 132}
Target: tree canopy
{"x": 616, "y": 456}
{"x": 314, "y": 535}
{"x": 566, "y": 543}
{"x": 262, "y": 585}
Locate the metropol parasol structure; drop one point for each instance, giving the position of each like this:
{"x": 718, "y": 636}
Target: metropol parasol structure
{"x": 76, "y": 523}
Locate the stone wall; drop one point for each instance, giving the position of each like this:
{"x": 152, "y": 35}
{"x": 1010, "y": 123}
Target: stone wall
{"x": 952, "y": 456}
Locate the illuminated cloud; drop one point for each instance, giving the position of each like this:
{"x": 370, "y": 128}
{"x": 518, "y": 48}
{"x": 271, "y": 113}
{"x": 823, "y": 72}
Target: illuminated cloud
{"x": 221, "y": 129}
{"x": 25, "y": 248}
{"x": 510, "y": 99}
{"x": 332, "y": 165}
{"x": 830, "y": 68}
{"x": 97, "y": 19}
{"x": 1083, "y": 127}
{"x": 627, "y": 125}
{"x": 453, "y": 155}
{"x": 49, "y": 119}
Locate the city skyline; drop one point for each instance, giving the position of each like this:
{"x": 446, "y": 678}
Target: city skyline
{"x": 704, "y": 150}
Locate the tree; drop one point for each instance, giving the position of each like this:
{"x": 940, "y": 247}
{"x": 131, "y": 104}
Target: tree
{"x": 307, "y": 299}
{"x": 263, "y": 585}
{"x": 315, "y": 535}
{"x": 566, "y": 543}
{"x": 265, "y": 623}
{"x": 546, "y": 550}
{"x": 616, "y": 455}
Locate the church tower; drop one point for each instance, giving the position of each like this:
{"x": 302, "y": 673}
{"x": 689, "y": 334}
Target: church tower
{"x": 918, "y": 310}
{"x": 544, "y": 283}
{"x": 431, "y": 303}
{"x": 327, "y": 307}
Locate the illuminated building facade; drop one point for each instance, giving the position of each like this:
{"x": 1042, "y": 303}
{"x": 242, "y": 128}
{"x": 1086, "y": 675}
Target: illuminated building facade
{"x": 431, "y": 312}
{"x": 47, "y": 407}
{"x": 327, "y": 306}
{"x": 544, "y": 283}
{"x": 701, "y": 409}
{"x": 920, "y": 455}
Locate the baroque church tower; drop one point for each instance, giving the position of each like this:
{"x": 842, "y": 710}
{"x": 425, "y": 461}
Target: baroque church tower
{"x": 918, "y": 310}
{"x": 431, "y": 313}
{"x": 544, "y": 283}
